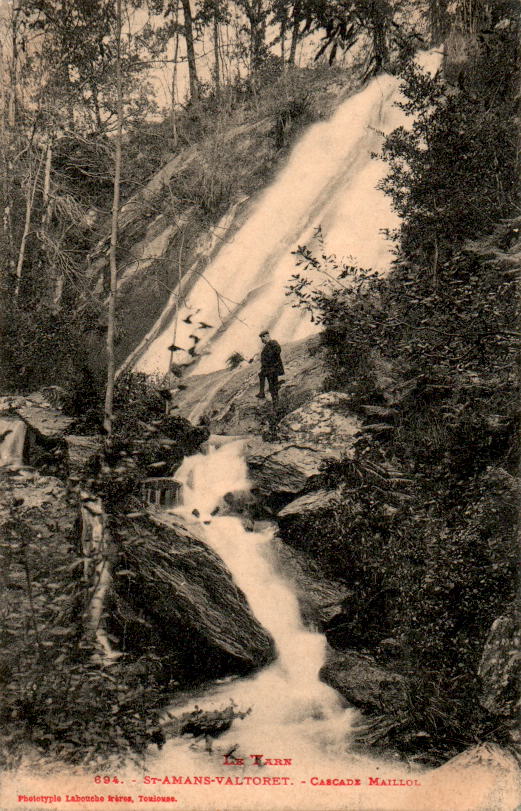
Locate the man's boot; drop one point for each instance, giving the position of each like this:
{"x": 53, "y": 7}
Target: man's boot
{"x": 262, "y": 383}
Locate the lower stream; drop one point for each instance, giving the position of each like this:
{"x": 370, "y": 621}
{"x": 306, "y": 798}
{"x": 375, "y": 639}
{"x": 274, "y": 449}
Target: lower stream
{"x": 292, "y": 749}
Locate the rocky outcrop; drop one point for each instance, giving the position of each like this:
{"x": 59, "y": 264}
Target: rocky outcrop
{"x": 326, "y": 421}
{"x": 500, "y": 667}
{"x": 228, "y": 398}
{"x": 309, "y": 505}
{"x": 43, "y": 443}
{"x": 38, "y": 413}
{"x": 319, "y": 597}
{"x": 320, "y": 430}
{"x": 283, "y": 468}
{"x": 364, "y": 683}
{"x": 174, "y": 592}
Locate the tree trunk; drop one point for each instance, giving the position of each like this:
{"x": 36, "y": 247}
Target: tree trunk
{"x": 2, "y": 97}
{"x": 438, "y": 20}
{"x": 95, "y": 103}
{"x": 111, "y": 368}
{"x": 190, "y": 50}
{"x": 217, "y": 69}
{"x": 256, "y": 16}
{"x": 173, "y": 117}
{"x": 97, "y": 550}
{"x": 13, "y": 98}
{"x": 283, "y": 24}
{"x": 29, "y": 202}
{"x": 55, "y": 272}
{"x": 379, "y": 23}
{"x": 297, "y": 11}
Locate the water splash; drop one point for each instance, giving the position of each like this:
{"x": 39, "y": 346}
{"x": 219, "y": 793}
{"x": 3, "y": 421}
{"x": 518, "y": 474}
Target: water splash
{"x": 288, "y": 697}
{"x": 293, "y": 714}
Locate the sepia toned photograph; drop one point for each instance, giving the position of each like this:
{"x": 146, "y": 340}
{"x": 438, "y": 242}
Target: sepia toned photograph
{"x": 259, "y": 405}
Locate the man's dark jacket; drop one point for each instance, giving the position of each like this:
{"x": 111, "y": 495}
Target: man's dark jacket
{"x": 271, "y": 363}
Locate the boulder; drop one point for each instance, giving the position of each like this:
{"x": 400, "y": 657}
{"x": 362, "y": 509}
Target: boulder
{"x": 183, "y": 591}
{"x": 325, "y": 421}
{"x": 319, "y": 597}
{"x": 38, "y": 414}
{"x": 46, "y": 426}
{"x": 500, "y": 667}
{"x": 320, "y": 430}
{"x": 309, "y": 505}
{"x": 281, "y": 467}
{"x": 364, "y": 683}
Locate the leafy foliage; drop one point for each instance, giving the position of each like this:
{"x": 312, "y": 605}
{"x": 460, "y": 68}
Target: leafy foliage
{"x": 428, "y": 355}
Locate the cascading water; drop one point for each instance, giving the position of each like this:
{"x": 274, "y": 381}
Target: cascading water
{"x": 294, "y": 716}
{"x": 293, "y": 749}
{"x": 289, "y": 692}
{"x": 329, "y": 181}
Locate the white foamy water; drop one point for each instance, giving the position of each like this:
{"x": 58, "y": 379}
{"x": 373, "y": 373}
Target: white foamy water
{"x": 329, "y": 181}
{"x": 287, "y": 696}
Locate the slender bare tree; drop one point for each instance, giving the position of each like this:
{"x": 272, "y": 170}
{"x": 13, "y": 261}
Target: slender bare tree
{"x": 111, "y": 366}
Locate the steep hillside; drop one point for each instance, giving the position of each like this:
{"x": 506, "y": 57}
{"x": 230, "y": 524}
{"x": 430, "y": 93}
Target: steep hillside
{"x": 174, "y": 225}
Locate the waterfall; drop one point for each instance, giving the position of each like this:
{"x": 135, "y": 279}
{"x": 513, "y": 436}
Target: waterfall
{"x": 289, "y": 692}
{"x": 12, "y": 439}
{"x": 329, "y": 181}
{"x": 294, "y": 716}
{"x": 298, "y": 725}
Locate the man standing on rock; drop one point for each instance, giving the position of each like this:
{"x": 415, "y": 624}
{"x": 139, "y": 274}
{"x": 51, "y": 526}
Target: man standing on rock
{"x": 271, "y": 367}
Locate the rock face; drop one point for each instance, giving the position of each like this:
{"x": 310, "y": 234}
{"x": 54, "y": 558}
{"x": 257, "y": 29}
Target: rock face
{"x": 227, "y": 398}
{"x": 319, "y": 598}
{"x": 325, "y": 421}
{"x": 281, "y": 467}
{"x": 500, "y": 667}
{"x": 38, "y": 413}
{"x": 309, "y": 505}
{"x": 309, "y": 435}
{"x": 176, "y": 593}
{"x": 46, "y": 426}
{"x": 364, "y": 683}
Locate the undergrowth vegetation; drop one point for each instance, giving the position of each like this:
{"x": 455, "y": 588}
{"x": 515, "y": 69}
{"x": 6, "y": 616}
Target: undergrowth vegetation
{"x": 426, "y": 530}
{"x": 56, "y": 699}
{"x": 59, "y": 696}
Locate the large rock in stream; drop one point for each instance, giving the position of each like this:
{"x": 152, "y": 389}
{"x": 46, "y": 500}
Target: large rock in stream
{"x": 365, "y": 683}
{"x": 173, "y": 591}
